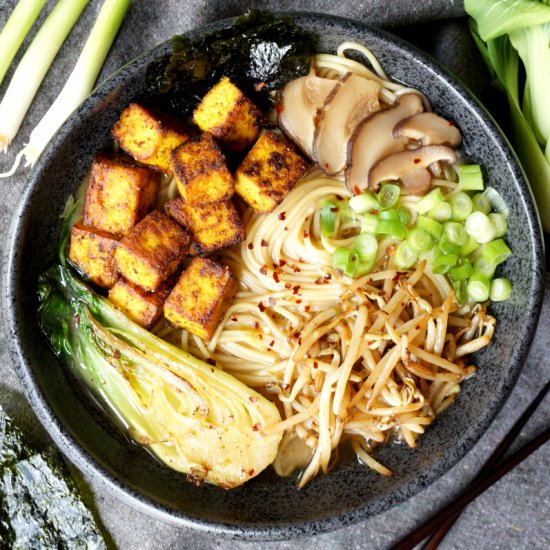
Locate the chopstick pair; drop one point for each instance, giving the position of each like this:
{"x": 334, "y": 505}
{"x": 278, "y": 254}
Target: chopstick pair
{"x": 438, "y": 525}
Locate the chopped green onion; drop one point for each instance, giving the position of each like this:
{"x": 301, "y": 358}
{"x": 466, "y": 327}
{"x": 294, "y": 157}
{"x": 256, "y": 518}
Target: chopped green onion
{"x": 496, "y": 201}
{"x": 500, "y": 223}
{"x": 366, "y": 246}
{"x": 419, "y": 240}
{"x": 496, "y": 252}
{"x": 471, "y": 246}
{"x": 461, "y": 206}
{"x": 479, "y": 226}
{"x": 479, "y": 287}
{"x": 390, "y": 214}
{"x": 346, "y": 260}
{"x": 15, "y": 30}
{"x": 501, "y": 290}
{"x": 440, "y": 212}
{"x": 365, "y": 267}
{"x": 461, "y": 290}
{"x": 404, "y": 257}
{"x": 345, "y": 213}
{"x": 388, "y": 195}
{"x": 481, "y": 265}
{"x": 427, "y": 202}
{"x": 404, "y": 215}
{"x": 392, "y": 228}
{"x": 443, "y": 262}
{"x": 461, "y": 272}
{"x": 470, "y": 177}
{"x": 435, "y": 229}
{"x": 444, "y": 246}
{"x": 455, "y": 233}
{"x": 369, "y": 223}
{"x": 481, "y": 203}
{"x": 34, "y": 65}
{"x": 329, "y": 216}
{"x": 364, "y": 202}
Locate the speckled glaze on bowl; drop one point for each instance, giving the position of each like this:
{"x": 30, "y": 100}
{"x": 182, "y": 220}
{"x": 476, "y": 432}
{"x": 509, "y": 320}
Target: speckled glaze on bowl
{"x": 267, "y": 508}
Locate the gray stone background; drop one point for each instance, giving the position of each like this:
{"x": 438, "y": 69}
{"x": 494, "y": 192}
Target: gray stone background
{"x": 515, "y": 513}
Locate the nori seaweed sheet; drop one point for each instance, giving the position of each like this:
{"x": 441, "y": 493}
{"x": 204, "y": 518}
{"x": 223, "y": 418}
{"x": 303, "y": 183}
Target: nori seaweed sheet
{"x": 259, "y": 52}
{"x": 39, "y": 505}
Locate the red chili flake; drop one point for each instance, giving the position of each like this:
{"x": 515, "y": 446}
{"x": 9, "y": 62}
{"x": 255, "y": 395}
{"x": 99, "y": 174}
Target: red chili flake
{"x": 256, "y": 427}
{"x": 328, "y": 276}
{"x": 296, "y": 335}
{"x": 334, "y": 209}
{"x": 259, "y": 86}
{"x": 321, "y": 280}
{"x": 295, "y": 268}
{"x": 260, "y": 336}
{"x": 370, "y": 342}
{"x": 451, "y": 123}
{"x": 282, "y": 263}
{"x": 374, "y": 211}
{"x": 295, "y": 289}
{"x": 234, "y": 318}
{"x": 264, "y": 243}
{"x": 261, "y": 307}
{"x": 306, "y": 234}
{"x": 211, "y": 361}
{"x": 287, "y": 286}
{"x": 116, "y": 355}
{"x": 271, "y": 301}
{"x": 286, "y": 228}
{"x": 263, "y": 270}
{"x": 282, "y": 216}
{"x": 301, "y": 260}
{"x": 315, "y": 365}
{"x": 299, "y": 341}
{"x": 356, "y": 190}
{"x": 298, "y": 301}
{"x": 271, "y": 343}
{"x": 306, "y": 308}
{"x": 275, "y": 277}
{"x": 251, "y": 472}
{"x": 250, "y": 246}
{"x": 279, "y": 108}
{"x": 256, "y": 325}
{"x": 76, "y": 319}
{"x": 417, "y": 327}
{"x": 416, "y": 161}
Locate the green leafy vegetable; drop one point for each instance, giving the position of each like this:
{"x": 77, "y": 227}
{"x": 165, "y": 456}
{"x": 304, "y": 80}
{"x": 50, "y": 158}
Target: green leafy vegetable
{"x": 260, "y": 53}
{"x": 192, "y": 416}
{"x": 514, "y": 39}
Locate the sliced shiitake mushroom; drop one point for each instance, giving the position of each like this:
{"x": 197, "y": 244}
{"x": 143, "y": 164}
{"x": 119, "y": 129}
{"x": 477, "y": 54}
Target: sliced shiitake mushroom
{"x": 410, "y": 167}
{"x": 429, "y": 129}
{"x": 373, "y": 139}
{"x": 301, "y": 99}
{"x": 348, "y": 105}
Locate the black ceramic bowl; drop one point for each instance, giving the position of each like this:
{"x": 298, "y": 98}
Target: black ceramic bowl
{"x": 267, "y": 507}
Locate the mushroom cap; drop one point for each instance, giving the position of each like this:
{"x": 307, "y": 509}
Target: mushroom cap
{"x": 344, "y": 109}
{"x": 373, "y": 139}
{"x": 410, "y": 167}
{"x": 429, "y": 129}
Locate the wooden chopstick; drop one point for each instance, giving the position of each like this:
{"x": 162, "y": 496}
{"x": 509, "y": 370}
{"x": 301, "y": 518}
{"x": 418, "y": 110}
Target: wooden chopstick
{"x": 436, "y": 537}
{"x": 482, "y": 482}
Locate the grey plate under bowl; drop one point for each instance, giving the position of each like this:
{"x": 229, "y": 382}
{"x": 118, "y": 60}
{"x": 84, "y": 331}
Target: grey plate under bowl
{"x": 268, "y": 507}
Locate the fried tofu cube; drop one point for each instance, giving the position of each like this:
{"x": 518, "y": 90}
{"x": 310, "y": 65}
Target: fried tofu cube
{"x": 213, "y": 226}
{"x": 119, "y": 194}
{"x": 142, "y": 307}
{"x": 149, "y": 136}
{"x": 152, "y": 251}
{"x": 200, "y": 171}
{"x": 269, "y": 171}
{"x": 93, "y": 252}
{"x": 201, "y": 297}
{"x": 229, "y": 116}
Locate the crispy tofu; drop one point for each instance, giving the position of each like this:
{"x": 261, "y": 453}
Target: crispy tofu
{"x": 201, "y": 297}
{"x": 213, "y": 226}
{"x": 142, "y": 307}
{"x": 93, "y": 252}
{"x": 269, "y": 171}
{"x": 149, "y": 136}
{"x": 229, "y": 116}
{"x": 119, "y": 194}
{"x": 152, "y": 251}
{"x": 200, "y": 171}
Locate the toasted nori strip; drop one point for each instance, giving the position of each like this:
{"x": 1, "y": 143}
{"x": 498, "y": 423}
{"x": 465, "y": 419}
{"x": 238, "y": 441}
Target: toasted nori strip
{"x": 39, "y": 504}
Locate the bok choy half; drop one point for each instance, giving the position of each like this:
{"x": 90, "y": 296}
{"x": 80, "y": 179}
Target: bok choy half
{"x": 194, "y": 417}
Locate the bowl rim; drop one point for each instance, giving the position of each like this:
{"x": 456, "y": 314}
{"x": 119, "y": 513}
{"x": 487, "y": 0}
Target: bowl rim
{"x": 274, "y": 531}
